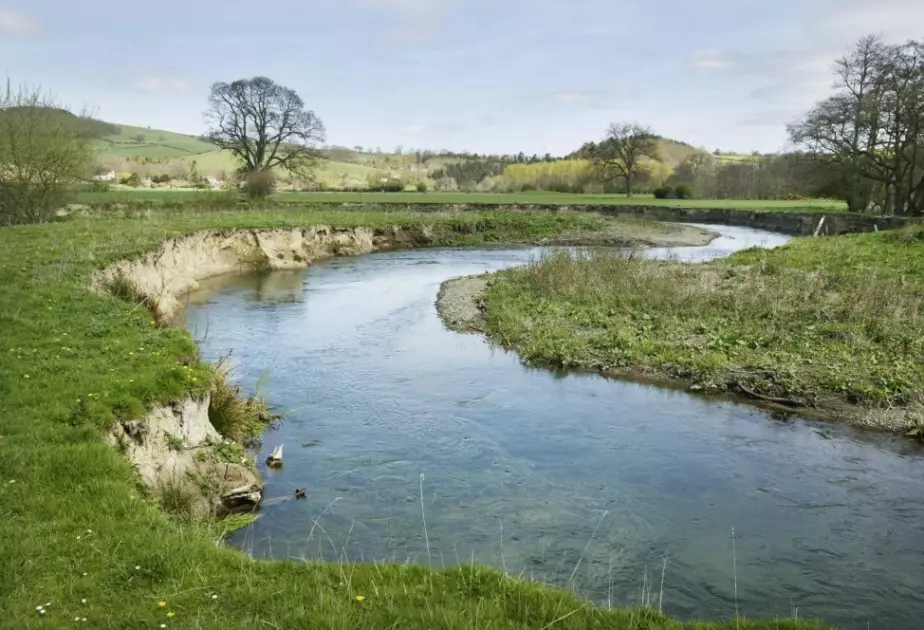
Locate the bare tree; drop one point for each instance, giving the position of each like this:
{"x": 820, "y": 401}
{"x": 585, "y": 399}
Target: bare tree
{"x": 871, "y": 130}
{"x": 265, "y": 125}
{"x": 620, "y": 154}
{"x": 44, "y": 151}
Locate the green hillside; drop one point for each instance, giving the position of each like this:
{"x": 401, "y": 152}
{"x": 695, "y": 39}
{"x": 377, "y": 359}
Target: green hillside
{"x": 142, "y": 142}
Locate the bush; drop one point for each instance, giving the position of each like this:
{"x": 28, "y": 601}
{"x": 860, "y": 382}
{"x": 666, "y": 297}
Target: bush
{"x": 259, "y": 184}
{"x": 45, "y": 152}
{"x": 393, "y": 185}
{"x": 683, "y": 191}
{"x": 161, "y": 179}
{"x": 133, "y": 180}
{"x": 662, "y": 192}
{"x": 421, "y": 187}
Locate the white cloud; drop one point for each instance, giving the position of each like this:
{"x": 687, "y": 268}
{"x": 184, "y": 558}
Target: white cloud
{"x": 412, "y": 130}
{"x": 411, "y": 8}
{"x": 584, "y": 99}
{"x": 707, "y": 60}
{"x": 896, "y": 20}
{"x": 160, "y": 84}
{"x": 17, "y": 24}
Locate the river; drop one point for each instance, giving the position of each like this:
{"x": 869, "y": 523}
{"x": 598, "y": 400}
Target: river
{"x": 573, "y": 480}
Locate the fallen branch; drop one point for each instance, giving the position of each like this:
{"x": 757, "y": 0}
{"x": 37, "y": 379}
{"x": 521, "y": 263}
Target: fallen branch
{"x": 787, "y": 402}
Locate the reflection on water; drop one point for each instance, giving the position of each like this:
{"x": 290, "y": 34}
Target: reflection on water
{"x": 540, "y": 473}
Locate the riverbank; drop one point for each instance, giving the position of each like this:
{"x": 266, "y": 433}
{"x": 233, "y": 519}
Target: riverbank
{"x": 826, "y": 328}
{"x": 81, "y": 538}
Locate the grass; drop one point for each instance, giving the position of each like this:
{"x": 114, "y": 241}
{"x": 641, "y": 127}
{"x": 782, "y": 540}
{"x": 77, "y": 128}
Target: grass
{"x": 830, "y": 325}
{"x": 78, "y": 532}
{"x": 523, "y": 198}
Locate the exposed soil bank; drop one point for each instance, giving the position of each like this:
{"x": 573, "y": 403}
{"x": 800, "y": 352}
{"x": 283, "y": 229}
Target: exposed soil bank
{"x": 176, "y": 447}
{"x": 791, "y": 223}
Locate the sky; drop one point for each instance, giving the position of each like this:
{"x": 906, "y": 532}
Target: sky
{"x": 498, "y": 76}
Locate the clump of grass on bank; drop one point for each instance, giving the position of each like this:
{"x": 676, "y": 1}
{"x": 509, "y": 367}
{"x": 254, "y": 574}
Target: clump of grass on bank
{"x": 833, "y": 324}
{"x": 235, "y": 415}
{"x": 75, "y": 530}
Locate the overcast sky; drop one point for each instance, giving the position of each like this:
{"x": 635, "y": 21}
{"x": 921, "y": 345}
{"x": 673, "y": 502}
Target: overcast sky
{"x": 482, "y": 75}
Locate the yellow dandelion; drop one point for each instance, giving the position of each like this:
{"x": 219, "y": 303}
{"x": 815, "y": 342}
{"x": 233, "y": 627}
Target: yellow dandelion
{"x": 360, "y": 598}
{"x": 171, "y": 614}
{"x": 161, "y": 604}
{"x": 11, "y": 481}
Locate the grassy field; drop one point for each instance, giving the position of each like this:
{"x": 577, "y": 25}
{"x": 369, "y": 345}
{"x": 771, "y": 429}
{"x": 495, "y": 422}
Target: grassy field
{"x": 81, "y": 540}
{"x": 156, "y": 143}
{"x": 831, "y": 324}
{"x": 521, "y": 198}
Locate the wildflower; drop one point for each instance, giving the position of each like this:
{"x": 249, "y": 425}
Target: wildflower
{"x": 131, "y": 354}
{"x": 83, "y": 601}
{"x": 26, "y": 376}
{"x": 163, "y": 625}
{"x": 78, "y": 538}
{"x": 11, "y": 481}
{"x": 85, "y": 574}
{"x": 214, "y": 596}
{"x": 171, "y": 614}
{"x": 161, "y": 604}
{"x": 360, "y": 598}
{"x": 138, "y": 568}
{"x": 84, "y": 619}
{"x": 76, "y": 618}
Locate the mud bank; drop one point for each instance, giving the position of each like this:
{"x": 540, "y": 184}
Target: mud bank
{"x": 176, "y": 450}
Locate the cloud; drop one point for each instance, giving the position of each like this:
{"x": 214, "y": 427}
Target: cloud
{"x": 896, "y": 20}
{"x": 156, "y": 83}
{"x": 410, "y": 8}
{"x": 17, "y": 24}
{"x": 708, "y": 60}
{"x": 411, "y": 130}
{"x": 583, "y": 100}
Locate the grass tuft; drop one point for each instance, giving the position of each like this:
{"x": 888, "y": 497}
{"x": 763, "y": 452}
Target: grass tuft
{"x": 236, "y": 416}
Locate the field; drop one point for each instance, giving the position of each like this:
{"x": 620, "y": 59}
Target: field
{"x": 521, "y": 198}
{"x": 90, "y": 543}
{"x": 827, "y": 327}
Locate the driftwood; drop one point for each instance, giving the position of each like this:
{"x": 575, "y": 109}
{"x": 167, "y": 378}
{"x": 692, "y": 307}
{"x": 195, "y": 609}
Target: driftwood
{"x": 786, "y": 402}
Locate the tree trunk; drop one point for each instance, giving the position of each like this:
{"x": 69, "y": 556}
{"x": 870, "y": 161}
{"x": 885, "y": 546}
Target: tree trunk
{"x": 629, "y": 177}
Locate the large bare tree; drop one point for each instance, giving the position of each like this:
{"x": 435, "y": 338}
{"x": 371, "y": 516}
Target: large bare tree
{"x": 871, "y": 130}
{"x": 265, "y": 125}
{"x": 620, "y": 154}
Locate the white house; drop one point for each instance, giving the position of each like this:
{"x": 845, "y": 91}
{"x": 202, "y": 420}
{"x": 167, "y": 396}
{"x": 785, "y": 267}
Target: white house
{"x": 105, "y": 177}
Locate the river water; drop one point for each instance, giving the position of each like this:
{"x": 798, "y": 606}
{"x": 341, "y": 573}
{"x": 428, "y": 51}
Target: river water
{"x": 573, "y": 480}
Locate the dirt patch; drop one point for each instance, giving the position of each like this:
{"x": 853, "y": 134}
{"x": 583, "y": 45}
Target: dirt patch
{"x": 459, "y": 303}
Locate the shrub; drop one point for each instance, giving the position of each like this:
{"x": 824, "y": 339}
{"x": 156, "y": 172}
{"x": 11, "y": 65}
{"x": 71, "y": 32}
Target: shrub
{"x": 662, "y": 192}
{"x": 45, "y": 152}
{"x": 163, "y": 178}
{"x": 133, "y": 180}
{"x": 393, "y": 185}
{"x": 683, "y": 191}
{"x": 259, "y": 184}
{"x": 421, "y": 187}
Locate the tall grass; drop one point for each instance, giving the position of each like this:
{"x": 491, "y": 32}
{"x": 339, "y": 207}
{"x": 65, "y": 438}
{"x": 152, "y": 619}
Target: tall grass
{"x": 811, "y": 322}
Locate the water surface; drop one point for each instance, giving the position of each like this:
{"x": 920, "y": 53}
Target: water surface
{"x": 573, "y": 480}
